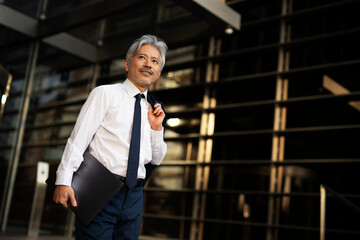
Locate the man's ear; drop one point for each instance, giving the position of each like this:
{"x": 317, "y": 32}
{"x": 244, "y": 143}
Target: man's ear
{"x": 126, "y": 65}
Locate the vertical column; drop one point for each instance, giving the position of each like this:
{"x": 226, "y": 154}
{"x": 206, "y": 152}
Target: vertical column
{"x": 205, "y": 145}
{"x": 100, "y": 32}
{"x": 19, "y": 134}
{"x": 202, "y": 146}
{"x": 278, "y": 142}
{"x": 209, "y": 142}
{"x": 95, "y": 75}
{"x": 38, "y": 199}
{"x": 189, "y": 149}
{"x": 322, "y": 211}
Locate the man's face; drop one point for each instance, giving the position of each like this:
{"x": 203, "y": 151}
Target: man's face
{"x": 144, "y": 68}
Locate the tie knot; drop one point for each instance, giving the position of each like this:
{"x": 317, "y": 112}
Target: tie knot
{"x": 139, "y": 96}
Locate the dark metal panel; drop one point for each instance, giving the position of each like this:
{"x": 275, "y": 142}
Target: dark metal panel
{"x": 86, "y": 15}
{"x": 72, "y": 45}
{"x": 17, "y": 21}
{"x": 176, "y": 36}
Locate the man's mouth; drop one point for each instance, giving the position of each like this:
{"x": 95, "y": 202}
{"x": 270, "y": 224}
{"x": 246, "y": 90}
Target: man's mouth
{"x": 148, "y": 71}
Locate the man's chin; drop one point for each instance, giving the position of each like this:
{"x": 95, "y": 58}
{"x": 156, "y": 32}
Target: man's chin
{"x": 142, "y": 82}
{"x": 146, "y": 83}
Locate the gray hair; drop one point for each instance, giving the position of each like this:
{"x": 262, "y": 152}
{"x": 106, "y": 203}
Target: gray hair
{"x": 152, "y": 40}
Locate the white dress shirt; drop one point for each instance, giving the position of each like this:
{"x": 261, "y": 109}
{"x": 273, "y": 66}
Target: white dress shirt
{"x": 104, "y": 125}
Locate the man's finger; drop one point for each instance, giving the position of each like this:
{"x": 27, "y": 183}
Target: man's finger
{"x": 73, "y": 200}
{"x": 157, "y": 109}
{"x": 64, "y": 194}
{"x": 63, "y": 202}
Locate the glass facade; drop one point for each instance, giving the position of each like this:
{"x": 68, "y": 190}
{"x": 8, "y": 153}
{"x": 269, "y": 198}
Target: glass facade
{"x": 257, "y": 120}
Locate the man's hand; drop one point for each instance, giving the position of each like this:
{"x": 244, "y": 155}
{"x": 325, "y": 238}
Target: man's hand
{"x": 156, "y": 117}
{"x": 63, "y": 194}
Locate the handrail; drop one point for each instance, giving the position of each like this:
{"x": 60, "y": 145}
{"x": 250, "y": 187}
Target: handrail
{"x": 323, "y": 189}
{"x": 342, "y": 199}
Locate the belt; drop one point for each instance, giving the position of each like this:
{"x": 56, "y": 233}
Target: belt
{"x": 139, "y": 182}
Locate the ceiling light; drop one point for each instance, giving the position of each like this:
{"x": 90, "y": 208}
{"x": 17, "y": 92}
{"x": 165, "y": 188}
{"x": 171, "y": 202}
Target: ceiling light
{"x": 229, "y": 30}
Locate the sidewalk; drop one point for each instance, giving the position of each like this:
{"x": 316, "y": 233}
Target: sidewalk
{"x": 34, "y": 238}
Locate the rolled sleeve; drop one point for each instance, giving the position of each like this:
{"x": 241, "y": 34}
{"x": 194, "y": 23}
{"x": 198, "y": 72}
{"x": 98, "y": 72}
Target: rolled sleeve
{"x": 158, "y": 146}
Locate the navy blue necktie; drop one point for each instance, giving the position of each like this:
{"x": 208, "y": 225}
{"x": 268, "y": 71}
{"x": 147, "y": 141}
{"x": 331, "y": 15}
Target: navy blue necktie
{"x": 134, "y": 151}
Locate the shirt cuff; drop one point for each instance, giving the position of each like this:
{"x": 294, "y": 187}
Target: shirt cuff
{"x": 64, "y": 178}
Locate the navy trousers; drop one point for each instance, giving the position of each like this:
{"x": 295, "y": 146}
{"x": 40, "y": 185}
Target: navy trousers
{"x": 120, "y": 219}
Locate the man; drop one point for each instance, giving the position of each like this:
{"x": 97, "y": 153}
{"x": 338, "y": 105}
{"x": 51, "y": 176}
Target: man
{"x": 104, "y": 127}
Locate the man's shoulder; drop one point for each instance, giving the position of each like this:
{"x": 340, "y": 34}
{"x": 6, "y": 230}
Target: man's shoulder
{"x": 109, "y": 88}
{"x": 107, "y": 92}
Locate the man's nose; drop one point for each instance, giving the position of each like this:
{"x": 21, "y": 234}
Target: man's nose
{"x": 147, "y": 63}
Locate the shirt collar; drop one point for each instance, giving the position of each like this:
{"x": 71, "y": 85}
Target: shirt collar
{"x": 131, "y": 89}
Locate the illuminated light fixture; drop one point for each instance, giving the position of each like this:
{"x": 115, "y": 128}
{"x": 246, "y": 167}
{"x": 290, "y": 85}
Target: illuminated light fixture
{"x": 3, "y": 99}
{"x": 229, "y": 30}
{"x": 173, "y": 122}
{"x": 5, "y": 82}
{"x": 246, "y": 213}
{"x": 100, "y": 42}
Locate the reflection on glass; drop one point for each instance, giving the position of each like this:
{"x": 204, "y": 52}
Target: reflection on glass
{"x": 3, "y": 99}
{"x": 181, "y": 55}
{"x": 5, "y": 81}
{"x": 174, "y": 79}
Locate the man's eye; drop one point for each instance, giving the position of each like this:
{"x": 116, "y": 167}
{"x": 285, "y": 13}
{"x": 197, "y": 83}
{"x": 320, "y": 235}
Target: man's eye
{"x": 155, "y": 61}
